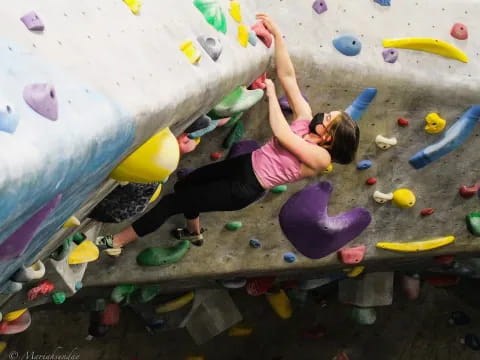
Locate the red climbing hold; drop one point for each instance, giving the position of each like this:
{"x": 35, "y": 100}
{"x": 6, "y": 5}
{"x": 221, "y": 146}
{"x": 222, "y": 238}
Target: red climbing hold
{"x": 111, "y": 315}
{"x": 263, "y": 34}
{"x": 341, "y": 356}
{"x": 259, "y": 83}
{"x": 352, "y": 255}
{"x": 402, "y": 122}
{"x": 411, "y": 286}
{"x": 44, "y": 287}
{"x": 259, "y": 286}
{"x": 371, "y": 181}
{"x": 427, "y": 211}
{"x": 459, "y": 31}
{"x": 215, "y": 155}
{"x": 442, "y": 280}
{"x": 444, "y": 259}
{"x": 468, "y": 192}
{"x": 42, "y": 99}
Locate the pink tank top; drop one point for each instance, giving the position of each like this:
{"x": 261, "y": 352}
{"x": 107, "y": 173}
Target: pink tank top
{"x": 274, "y": 165}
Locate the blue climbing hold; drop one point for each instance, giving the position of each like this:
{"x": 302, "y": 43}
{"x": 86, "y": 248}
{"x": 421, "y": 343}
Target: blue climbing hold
{"x": 252, "y": 38}
{"x": 348, "y": 45}
{"x": 364, "y": 165}
{"x": 255, "y": 243}
{"x": 455, "y": 136}
{"x": 360, "y": 105}
{"x": 383, "y": 2}
{"x": 289, "y": 257}
{"x": 8, "y": 118}
{"x": 204, "y": 131}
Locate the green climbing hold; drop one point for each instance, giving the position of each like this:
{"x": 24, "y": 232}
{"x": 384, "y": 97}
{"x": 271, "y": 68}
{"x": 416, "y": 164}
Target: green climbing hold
{"x": 213, "y": 13}
{"x": 234, "y": 225}
{"x": 77, "y": 238}
{"x": 59, "y": 297}
{"x": 144, "y": 294}
{"x": 364, "y": 316}
{"x": 234, "y": 119}
{"x": 239, "y": 100}
{"x": 473, "y": 223}
{"x": 235, "y": 135}
{"x": 279, "y": 189}
{"x": 63, "y": 250}
{"x": 160, "y": 256}
{"x": 122, "y": 293}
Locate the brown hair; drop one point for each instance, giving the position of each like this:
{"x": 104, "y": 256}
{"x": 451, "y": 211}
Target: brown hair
{"x": 345, "y": 139}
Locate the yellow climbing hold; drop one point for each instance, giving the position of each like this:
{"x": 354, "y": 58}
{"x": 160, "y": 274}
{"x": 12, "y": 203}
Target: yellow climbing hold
{"x": 354, "y": 272}
{"x": 240, "y": 331}
{"x": 134, "y": 5}
{"x": 197, "y": 140}
{"x": 235, "y": 11}
{"x": 87, "y": 251}
{"x": 152, "y": 162}
{"x": 243, "y": 35}
{"x": 14, "y": 315}
{"x": 190, "y": 51}
{"x": 404, "y": 198}
{"x": 329, "y": 169}
{"x": 281, "y": 304}
{"x": 156, "y": 194}
{"x": 434, "y": 46}
{"x": 175, "y": 304}
{"x": 71, "y": 222}
{"x": 435, "y": 123}
{"x": 417, "y": 245}
{"x": 3, "y": 346}
{"x": 195, "y": 357}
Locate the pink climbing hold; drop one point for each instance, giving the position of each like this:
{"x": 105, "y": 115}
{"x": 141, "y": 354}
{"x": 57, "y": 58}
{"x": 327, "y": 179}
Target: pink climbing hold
{"x": 42, "y": 99}
{"x": 223, "y": 122}
{"x": 320, "y": 6}
{"x": 444, "y": 259}
{"x": 259, "y": 83}
{"x": 186, "y": 144}
{"x": 352, "y": 255}
{"x": 263, "y": 34}
{"x": 371, "y": 181}
{"x": 32, "y": 21}
{"x": 411, "y": 286}
{"x": 341, "y": 356}
{"x": 16, "y": 326}
{"x": 214, "y": 156}
{"x": 427, "y": 211}
{"x": 468, "y": 192}
{"x": 403, "y": 122}
{"x": 44, "y": 287}
{"x": 459, "y": 31}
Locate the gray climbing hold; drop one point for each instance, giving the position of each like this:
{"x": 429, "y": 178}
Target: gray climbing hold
{"x": 32, "y": 21}
{"x": 320, "y": 6}
{"x": 42, "y": 99}
{"x": 211, "y": 45}
{"x": 11, "y": 287}
{"x": 255, "y": 243}
{"x": 348, "y": 45}
{"x": 390, "y": 55}
{"x": 8, "y": 117}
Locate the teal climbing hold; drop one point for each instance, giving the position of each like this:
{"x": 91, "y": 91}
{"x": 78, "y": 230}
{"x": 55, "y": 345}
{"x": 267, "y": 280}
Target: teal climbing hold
{"x": 161, "y": 256}
{"x": 235, "y": 135}
{"x": 78, "y": 285}
{"x": 239, "y": 100}
{"x": 59, "y": 297}
{"x": 252, "y": 38}
{"x": 122, "y": 293}
{"x": 234, "y": 225}
{"x": 279, "y": 189}
{"x": 473, "y": 223}
{"x": 213, "y": 13}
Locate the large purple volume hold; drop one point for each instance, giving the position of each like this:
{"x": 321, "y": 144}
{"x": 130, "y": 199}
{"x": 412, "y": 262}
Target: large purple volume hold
{"x": 17, "y": 242}
{"x": 305, "y": 222}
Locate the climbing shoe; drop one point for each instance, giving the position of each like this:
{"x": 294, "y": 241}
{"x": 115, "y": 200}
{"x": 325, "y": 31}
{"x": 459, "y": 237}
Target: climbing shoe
{"x": 184, "y": 234}
{"x": 105, "y": 243}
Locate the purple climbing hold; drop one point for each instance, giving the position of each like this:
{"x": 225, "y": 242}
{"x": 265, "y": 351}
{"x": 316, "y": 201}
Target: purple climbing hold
{"x": 305, "y": 222}
{"x": 32, "y": 21}
{"x": 320, "y": 6}
{"x": 243, "y": 147}
{"x": 383, "y": 2}
{"x": 390, "y": 55}
{"x": 16, "y": 243}
{"x": 285, "y": 106}
{"x": 42, "y": 99}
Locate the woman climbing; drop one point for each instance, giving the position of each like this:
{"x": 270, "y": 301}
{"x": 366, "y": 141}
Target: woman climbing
{"x": 303, "y": 149}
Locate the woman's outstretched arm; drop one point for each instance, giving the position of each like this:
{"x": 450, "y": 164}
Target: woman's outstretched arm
{"x": 286, "y": 72}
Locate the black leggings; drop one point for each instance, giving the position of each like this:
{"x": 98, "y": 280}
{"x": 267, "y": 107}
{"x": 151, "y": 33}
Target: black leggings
{"x": 223, "y": 186}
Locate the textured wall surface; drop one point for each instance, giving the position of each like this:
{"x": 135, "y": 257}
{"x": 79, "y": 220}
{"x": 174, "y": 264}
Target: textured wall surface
{"x": 134, "y": 64}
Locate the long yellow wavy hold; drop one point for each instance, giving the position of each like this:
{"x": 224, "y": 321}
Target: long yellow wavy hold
{"x": 430, "y": 45}
{"x": 175, "y": 304}
{"x": 417, "y": 245}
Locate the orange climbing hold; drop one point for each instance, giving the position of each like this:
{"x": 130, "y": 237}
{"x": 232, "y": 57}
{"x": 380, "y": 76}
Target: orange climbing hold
{"x": 468, "y": 192}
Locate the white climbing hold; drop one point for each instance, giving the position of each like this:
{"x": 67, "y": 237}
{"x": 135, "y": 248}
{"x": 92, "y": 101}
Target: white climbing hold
{"x": 34, "y": 272}
{"x": 382, "y": 198}
{"x": 385, "y": 143}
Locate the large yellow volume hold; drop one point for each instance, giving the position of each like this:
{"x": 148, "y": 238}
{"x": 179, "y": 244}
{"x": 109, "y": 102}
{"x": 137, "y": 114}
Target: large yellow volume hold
{"x": 415, "y": 246}
{"x": 434, "y": 46}
{"x": 235, "y": 11}
{"x": 87, "y": 251}
{"x": 134, "y": 5}
{"x": 243, "y": 35}
{"x": 154, "y": 161}
{"x": 190, "y": 51}
{"x": 175, "y": 304}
